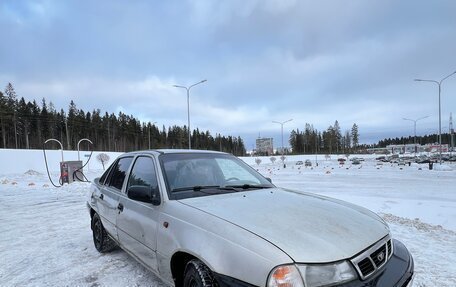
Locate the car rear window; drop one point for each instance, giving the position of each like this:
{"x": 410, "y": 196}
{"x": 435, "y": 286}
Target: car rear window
{"x": 119, "y": 172}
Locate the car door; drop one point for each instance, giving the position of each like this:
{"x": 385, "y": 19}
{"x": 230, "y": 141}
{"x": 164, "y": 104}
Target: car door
{"x": 137, "y": 221}
{"x": 108, "y": 199}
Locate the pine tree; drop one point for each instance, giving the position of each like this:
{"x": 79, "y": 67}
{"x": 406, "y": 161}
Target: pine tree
{"x": 348, "y": 140}
{"x": 337, "y": 136}
{"x": 355, "y": 136}
{"x": 3, "y": 116}
{"x": 12, "y": 106}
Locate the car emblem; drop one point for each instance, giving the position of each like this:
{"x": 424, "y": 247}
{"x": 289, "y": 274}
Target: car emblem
{"x": 381, "y": 256}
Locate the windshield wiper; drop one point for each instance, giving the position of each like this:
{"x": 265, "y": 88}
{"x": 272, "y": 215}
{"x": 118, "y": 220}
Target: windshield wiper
{"x": 196, "y": 188}
{"x": 248, "y": 186}
{"x": 200, "y": 188}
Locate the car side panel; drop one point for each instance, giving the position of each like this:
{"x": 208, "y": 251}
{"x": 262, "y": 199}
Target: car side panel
{"x": 106, "y": 202}
{"x": 243, "y": 256}
{"x": 137, "y": 227}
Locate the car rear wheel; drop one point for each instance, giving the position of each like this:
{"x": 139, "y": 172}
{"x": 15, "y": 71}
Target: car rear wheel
{"x": 198, "y": 275}
{"x": 103, "y": 243}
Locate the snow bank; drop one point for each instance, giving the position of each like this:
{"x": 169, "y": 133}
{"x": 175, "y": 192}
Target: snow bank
{"x": 442, "y": 167}
{"x": 46, "y": 237}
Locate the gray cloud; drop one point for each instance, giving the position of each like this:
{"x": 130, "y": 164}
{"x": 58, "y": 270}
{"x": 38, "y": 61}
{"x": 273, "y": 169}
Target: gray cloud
{"x": 264, "y": 60}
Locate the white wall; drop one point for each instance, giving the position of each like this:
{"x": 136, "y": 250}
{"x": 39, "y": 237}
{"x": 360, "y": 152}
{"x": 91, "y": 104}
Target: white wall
{"x": 22, "y": 160}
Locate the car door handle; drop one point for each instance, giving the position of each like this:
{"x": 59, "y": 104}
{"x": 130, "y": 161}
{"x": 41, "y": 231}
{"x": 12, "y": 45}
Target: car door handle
{"x": 120, "y": 207}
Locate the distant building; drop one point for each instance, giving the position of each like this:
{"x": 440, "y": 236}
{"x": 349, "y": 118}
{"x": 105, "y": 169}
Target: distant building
{"x": 410, "y": 148}
{"x": 404, "y": 148}
{"x": 378, "y": 150}
{"x": 435, "y": 148}
{"x": 264, "y": 146}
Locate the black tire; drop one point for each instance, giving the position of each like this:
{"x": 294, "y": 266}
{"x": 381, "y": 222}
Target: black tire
{"x": 103, "y": 243}
{"x": 198, "y": 275}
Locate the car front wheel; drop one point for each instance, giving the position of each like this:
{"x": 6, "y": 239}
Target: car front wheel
{"x": 198, "y": 275}
{"x": 100, "y": 237}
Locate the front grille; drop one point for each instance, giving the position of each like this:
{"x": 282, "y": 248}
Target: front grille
{"x": 379, "y": 256}
{"x": 373, "y": 258}
{"x": 366, "y": 267}
{"x": 388, "y": 247}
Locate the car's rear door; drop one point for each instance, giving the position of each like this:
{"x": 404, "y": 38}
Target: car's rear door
{"x": 108, "y": 199}
{"x": 137, "y": 221}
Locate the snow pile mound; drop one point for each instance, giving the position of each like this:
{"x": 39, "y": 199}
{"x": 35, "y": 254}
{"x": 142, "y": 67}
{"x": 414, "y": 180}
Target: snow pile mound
{"x": 442, "y": 167}
{"x": 431, "y": 247}
{"x": 416, "y": 223}
{"x": 32, "y": 172}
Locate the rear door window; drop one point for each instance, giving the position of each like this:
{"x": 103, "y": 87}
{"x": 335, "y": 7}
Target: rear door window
{"x": 105, "y": 175}
{"x": 119, "y": 172}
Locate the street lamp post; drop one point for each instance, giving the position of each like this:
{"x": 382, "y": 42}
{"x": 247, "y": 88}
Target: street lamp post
{"x": 188, "y": 108}
{"x": 281, "y": 126}
{"x": 414, "y": 128}
{"x": 439, "y": 83}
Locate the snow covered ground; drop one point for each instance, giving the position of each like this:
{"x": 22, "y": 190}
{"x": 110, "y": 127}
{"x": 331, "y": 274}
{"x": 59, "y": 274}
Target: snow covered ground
{"x": 46, "y": 239}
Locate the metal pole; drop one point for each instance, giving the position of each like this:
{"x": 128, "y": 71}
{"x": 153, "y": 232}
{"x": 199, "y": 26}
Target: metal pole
{"x": 439, "y": 83}
{"x": 281, "y": 124}
{"x": 188, "y": 108}
{"x": 414, "y": 137}
{"x": 440, "y": 126}
{"x": 282, "y": 136}
{"x": 414, "y": 129}
{"x": 57, "y": 141}
{"x": 79, "y": 142}
{"x": 188, "y": 119}
{"x": 451, "y": 130}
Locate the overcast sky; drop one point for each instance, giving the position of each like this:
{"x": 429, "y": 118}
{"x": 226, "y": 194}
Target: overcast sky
{"x": 270, "y": 60}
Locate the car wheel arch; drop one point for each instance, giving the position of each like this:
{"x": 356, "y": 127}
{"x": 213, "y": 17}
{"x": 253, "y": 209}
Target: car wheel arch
{"x": 92, "y": 213}
{"x": 178, "y": 264}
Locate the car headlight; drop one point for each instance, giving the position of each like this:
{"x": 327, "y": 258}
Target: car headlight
{"x": 326, "y": 274}
{"x": 285, "y": 276}
{"x": 311, "y": 275}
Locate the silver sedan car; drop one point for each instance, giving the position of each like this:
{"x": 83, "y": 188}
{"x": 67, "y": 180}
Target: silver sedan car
{"x": 202, "y": 218}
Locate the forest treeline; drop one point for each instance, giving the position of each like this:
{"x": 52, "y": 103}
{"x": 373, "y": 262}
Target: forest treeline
{"x": 27, "y": 125}
{"x": 330, "y": 141}
{"x": 426, "y": 139}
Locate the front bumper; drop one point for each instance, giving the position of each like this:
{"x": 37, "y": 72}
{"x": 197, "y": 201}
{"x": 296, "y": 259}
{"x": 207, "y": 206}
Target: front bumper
{"x": 397, "y": 272}
{"x": 226, "y": 281}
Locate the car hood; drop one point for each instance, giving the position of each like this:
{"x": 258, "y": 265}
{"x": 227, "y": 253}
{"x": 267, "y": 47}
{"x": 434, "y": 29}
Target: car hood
{"x": 307, "y": 227}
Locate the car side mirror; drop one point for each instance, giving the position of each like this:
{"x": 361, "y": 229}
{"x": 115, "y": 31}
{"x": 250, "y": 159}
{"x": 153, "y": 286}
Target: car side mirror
{"x": 144, "y": 194}
{"x": 269, "y": 179}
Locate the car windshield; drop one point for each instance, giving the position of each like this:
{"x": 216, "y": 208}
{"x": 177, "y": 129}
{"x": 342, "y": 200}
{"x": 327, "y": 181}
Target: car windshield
{"x": 201, "y": 174}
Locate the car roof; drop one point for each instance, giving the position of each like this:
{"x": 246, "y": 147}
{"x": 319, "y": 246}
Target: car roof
{"x": 172, "y": 151}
